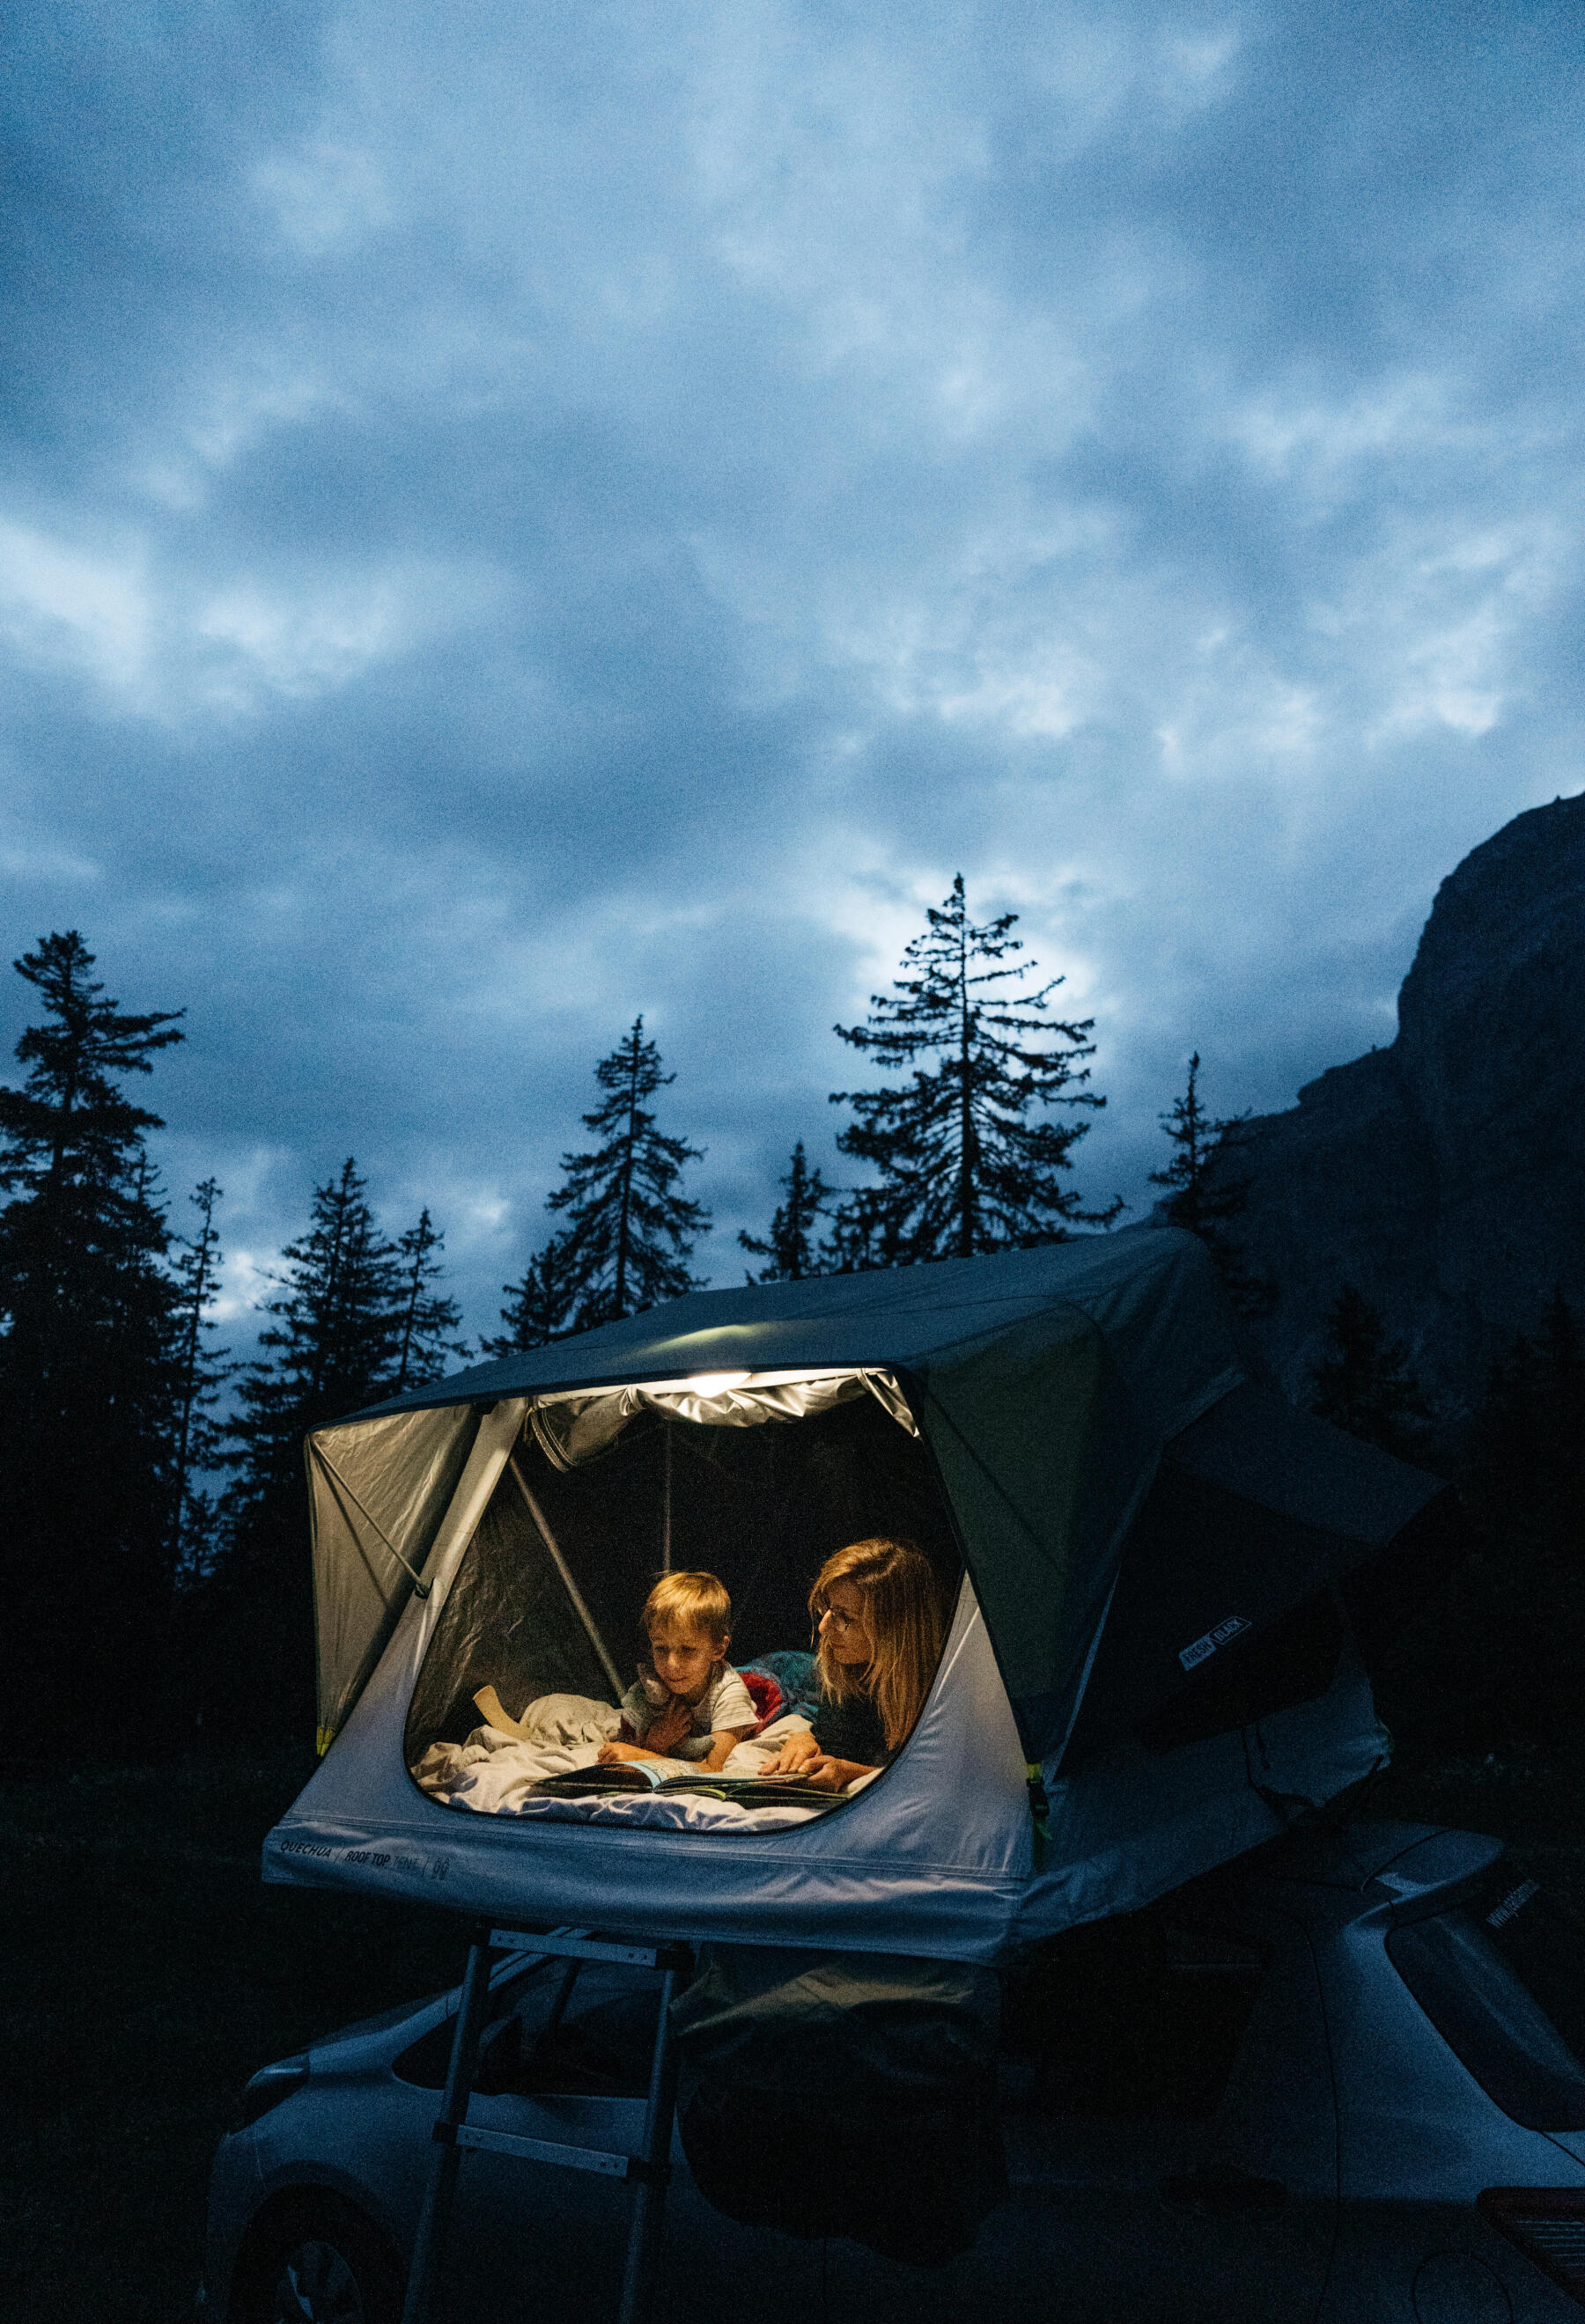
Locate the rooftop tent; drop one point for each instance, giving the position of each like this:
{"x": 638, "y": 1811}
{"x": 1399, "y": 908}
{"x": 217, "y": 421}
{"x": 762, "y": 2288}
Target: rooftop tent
{"x": 1084, "y": 1419}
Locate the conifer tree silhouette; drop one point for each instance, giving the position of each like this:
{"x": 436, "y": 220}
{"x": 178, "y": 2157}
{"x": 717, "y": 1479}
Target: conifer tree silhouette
{"x": 430, "y": 1321}
{"x": 961, "y": 1167}
{"x": 1362, "y": 1381}
{"x": 1206, "y": 1193}
{"x": 790, "y": 1246}
{"x": 87, "y": 1334}
{"x": 536, "y": 1309}
{"x": 332, "y": 1341}
{"x": 1524, "y": 1486}
{"x": 201, "y": 1373}
{"x": 630, "y": 1230}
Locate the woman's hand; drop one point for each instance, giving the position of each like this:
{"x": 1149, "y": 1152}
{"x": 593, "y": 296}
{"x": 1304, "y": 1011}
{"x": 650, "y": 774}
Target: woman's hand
{"x": 795, "y": 1754}
{"x": 610, "y": 1754}
{"x": 824, "y": 1773}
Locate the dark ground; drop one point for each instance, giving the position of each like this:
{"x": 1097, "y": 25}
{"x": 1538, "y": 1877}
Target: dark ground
{"x": 148, "y": 1973}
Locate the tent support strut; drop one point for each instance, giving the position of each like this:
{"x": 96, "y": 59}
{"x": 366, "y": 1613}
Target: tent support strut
{"x": 567, "y": 1583}
{"x": 323, "y": 1458}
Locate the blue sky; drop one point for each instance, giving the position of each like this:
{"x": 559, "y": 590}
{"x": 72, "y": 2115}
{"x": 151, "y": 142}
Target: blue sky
{"x": 512, "y": 517}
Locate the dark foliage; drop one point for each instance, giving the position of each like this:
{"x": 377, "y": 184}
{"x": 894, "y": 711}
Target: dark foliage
{"x": 202, "y": 1372}
{"x": 960, "y": 1165}
{"x": 331, "y": 1346}
{"x": 1363, "y": 1382}
{"x": 1205, "y": 1193}
{"x": 428, "y": 1344}
{"x": 536, "y": 1309}
{"x": 629, "y": 1231}
{"x": 790, "y": 1247}
{"x": 1526, "y": 1489}
{"x": 89, "y": 1350}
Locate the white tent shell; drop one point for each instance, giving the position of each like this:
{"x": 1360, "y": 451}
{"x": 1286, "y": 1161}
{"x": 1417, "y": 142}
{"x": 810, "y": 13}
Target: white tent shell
{"x": 1047, "y": 1385}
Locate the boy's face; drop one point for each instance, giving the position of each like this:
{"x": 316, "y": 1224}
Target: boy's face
{"x": 683, "y": 1657}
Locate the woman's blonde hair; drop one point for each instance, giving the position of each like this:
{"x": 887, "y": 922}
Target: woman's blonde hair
{"x": 901, "y": 1613}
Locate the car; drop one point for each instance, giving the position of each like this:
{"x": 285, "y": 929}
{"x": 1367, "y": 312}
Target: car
{"x": 1339, "y": 2081}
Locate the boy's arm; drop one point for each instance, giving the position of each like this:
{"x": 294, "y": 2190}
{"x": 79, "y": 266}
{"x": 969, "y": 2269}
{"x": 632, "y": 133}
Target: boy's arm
{"x": 723, "y": 1743}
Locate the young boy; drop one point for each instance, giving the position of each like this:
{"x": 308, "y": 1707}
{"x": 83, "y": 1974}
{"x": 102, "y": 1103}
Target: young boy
{"x": 688, "y": 1704}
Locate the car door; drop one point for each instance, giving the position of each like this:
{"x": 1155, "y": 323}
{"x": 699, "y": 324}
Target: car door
{"x": 566, "y": 2059}
{"x": 1169, "y": 2125}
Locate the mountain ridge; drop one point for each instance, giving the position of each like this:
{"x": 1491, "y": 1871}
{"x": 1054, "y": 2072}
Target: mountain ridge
{"x": 1444, "y": 1175}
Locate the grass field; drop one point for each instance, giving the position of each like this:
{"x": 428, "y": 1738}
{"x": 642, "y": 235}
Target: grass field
{"x": 149, "y": 1972}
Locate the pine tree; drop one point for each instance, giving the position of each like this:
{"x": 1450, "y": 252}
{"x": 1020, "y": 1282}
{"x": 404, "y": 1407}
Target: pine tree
{"x": 790, "y": 1246}
{"x": 201, "y": 1373}
{"x": 428, "y": 1321}
{"x": 630, "y": 1230}
{"x": 332, "y": 1345}
{"x": 1363, "y": 1383}
{"x": 961, "y": 1167}
{"x": 1524, "y": 1486}
{"x": 536, "y": 1309}
{"x": 1206, "y": 1193}
{"x": 87, "y": 1345}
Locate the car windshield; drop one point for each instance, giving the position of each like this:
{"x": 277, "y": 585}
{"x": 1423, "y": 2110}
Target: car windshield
{"x": 1502, "y": 1979}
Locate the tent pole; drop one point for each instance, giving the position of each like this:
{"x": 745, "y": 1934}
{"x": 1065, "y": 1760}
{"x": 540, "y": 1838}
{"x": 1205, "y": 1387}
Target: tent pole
{"x": 325, "y": 1461}
{"x": 565, "y": 1571}
{"x": 666, "y": 1500}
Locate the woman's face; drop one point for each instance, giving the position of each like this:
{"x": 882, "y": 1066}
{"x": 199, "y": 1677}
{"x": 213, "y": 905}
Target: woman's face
{"x": 843, "y": 1631}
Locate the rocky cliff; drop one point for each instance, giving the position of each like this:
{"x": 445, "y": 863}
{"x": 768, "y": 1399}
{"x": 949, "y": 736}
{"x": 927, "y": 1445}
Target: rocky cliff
{"x": 1445, "y": 1176}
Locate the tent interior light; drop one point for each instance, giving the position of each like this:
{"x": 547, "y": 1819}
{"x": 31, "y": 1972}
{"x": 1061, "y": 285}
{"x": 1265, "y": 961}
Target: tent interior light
{"x": 713, "y": 1383}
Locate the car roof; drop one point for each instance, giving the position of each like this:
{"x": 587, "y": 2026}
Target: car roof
{"x": 1400, "y": 1861}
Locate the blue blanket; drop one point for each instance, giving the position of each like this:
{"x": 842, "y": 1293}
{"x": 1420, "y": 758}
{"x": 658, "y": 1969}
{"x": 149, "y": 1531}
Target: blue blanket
{"x": 798, "y": 1676}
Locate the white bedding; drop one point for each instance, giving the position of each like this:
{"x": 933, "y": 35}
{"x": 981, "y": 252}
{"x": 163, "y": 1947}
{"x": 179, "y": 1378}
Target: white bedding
{"x": 492, "y": 1773}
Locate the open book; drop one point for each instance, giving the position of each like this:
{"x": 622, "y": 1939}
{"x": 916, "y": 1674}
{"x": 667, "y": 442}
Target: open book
{"x": 650, "y": 1775}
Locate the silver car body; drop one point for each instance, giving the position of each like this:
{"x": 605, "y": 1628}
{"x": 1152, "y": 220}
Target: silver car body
{"x": 1335, "y": 2180}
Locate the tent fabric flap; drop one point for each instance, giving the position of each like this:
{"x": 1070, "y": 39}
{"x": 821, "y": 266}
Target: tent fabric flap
{"x": 572, "y": 1429}
{"x": 385, "y": 1496}
{"x": 1040, "y": 1464}
{"x": 1255, "y": 1511}
{"x": 1047, "y": 1431}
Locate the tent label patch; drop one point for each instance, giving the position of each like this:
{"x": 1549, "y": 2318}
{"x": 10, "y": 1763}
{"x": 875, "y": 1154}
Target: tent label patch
{"x": 1233, "y": 1627}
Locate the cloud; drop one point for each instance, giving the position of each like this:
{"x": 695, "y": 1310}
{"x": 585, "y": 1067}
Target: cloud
{"x": 515, "y": 520}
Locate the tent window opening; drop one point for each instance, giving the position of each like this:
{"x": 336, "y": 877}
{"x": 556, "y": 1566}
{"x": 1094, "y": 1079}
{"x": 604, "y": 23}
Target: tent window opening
{"x": 755, "y": 1480}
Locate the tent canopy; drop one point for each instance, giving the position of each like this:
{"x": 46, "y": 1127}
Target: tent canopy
{"x": 1145, "y": 1547}
{"x": 1047, "y": 1385}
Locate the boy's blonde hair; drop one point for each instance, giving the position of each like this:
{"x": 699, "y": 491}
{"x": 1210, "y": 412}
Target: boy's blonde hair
{"x": 698, "y": 1601}
{"x": 902, "y": 1614}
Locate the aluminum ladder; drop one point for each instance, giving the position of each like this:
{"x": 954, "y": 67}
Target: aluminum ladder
{"x": 648, "y": 2171}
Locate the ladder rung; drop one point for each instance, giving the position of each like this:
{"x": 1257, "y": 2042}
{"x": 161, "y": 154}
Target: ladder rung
{"x": 544, "y": 2150}
{"x": 599, "y": 1948}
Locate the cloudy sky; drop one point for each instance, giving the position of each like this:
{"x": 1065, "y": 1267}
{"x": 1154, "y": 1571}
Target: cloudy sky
{"x": 514, "y": 516}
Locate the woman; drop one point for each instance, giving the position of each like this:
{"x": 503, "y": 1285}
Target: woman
{"x": 878, "y": 1630}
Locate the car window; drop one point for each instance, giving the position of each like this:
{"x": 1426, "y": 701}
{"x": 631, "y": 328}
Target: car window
{"x": 1502, "y": 1979}
{"x": 563, "y": 2027}
{"x": 1136, "y": 2017}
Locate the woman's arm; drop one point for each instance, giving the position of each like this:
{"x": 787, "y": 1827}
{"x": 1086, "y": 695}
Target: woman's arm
{"x": 825, "y": 1773}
